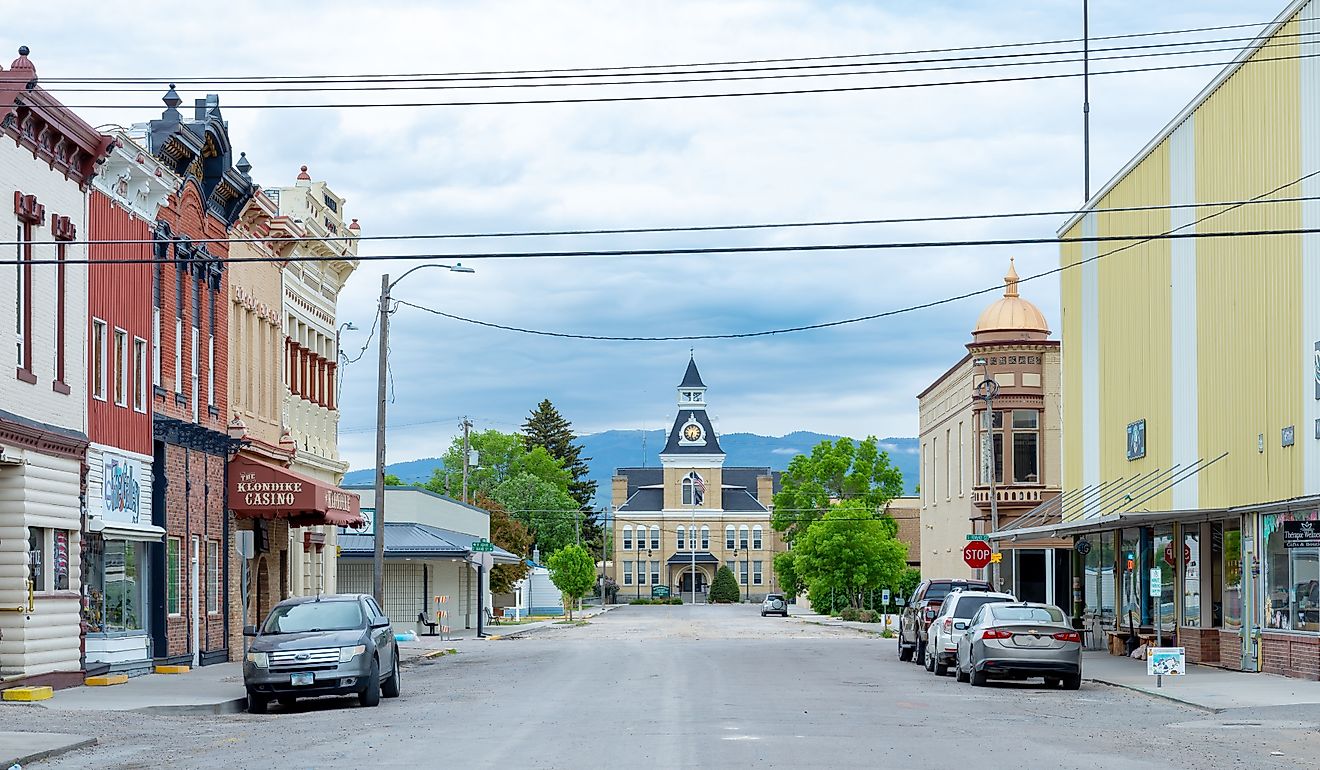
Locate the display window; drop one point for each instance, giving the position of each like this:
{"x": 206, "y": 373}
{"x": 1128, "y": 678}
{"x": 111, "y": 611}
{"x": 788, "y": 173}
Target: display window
{"x": 1292, "y": 575}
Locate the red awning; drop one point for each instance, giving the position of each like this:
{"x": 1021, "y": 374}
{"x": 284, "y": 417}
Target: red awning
{"x": 259, "y": 490}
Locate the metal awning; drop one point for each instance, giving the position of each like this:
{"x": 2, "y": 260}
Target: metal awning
{"x": 702, "y": 557}
{"x": 1108, "y": 505}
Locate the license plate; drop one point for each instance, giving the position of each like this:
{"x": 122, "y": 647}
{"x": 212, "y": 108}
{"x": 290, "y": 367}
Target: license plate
{"x": 301, "y": 679}
{"x": 1029, "y": 640}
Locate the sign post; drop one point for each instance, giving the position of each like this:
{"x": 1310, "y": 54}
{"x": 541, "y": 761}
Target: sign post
{"x": 884, "y": 602}
{"x": 1156, "y": 589}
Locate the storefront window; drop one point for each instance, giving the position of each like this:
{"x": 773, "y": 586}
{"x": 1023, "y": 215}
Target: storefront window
{"x": 94, "y": 583}
{"x": 1165, "y": 559}
{"x": 122, "y": 586}
{"x": 1191, "y": 555}
{"x": 998, "y": 443}
{"x": 1026, "y": 459}
{"x": 1232, "y": 569}
{"x": 1098, "y": 582}
{"x": 1134, "y": 605}
{"x": 1292, "y": 583}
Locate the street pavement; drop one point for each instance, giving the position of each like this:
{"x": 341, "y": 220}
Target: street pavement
{"x": 696, "y": 686}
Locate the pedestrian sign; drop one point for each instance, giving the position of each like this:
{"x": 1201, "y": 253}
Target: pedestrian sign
{"x": 481, "y": 546}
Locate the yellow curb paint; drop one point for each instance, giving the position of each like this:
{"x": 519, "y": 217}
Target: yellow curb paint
{"x": 172, "y": 669}
{"x": 27, "y": 693}
{"x": 105, "y": 681}
{"x": 494, "y": 636}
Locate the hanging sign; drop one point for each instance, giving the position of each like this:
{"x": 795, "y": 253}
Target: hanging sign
{"x": 1301, "y": 534}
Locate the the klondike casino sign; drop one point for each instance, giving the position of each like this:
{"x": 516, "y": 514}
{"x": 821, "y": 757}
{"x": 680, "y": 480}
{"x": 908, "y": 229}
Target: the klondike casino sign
{"x": 267, "y": 494}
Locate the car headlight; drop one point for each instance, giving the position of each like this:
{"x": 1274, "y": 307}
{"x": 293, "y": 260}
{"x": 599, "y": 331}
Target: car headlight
{"x": 259, "y": 659}
{"x": 346, "y": 654}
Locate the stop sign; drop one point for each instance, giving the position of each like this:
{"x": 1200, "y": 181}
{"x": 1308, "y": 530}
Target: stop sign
{"x": 976, "y": 554}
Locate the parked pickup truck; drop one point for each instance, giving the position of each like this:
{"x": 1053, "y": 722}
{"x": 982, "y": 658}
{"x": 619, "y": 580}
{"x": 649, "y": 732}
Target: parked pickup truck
{"x": 921, "y": 609}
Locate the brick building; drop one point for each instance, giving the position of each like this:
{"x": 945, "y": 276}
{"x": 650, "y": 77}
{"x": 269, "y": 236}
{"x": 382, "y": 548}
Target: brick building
{"x": 191, "y": 605}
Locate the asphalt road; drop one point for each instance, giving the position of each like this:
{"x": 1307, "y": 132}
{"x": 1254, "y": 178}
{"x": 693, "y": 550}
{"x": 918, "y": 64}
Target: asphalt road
{"x": 704, "y": 686}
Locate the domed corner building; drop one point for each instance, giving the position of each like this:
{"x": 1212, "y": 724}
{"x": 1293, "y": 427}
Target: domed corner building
{"x": 676, "y": 524}
{"x": 1010, "y": 345}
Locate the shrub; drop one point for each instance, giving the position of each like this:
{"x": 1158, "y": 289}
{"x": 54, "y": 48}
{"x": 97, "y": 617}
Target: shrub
{"x": 849, "y": 613}
{"x": 868, "y": 616}
{"x": 640, "y": 601}
{"x": 724, "y": 589}
{"x": 673, "y": 600}
{"x": 887, "y": 634}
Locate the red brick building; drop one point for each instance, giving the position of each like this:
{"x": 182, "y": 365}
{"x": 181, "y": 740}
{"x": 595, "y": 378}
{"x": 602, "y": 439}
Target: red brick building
{"x": 190, "y": 604}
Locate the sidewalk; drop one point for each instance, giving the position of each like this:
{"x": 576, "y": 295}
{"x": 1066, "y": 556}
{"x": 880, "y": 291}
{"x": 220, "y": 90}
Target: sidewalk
{"x": 214, "y": 689}
{"x": 808, "y": 616}
{"x": 1205, "y": 687}
{"x": 21, "y": 748}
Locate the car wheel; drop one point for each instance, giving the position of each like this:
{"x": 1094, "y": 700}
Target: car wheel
{"x": 370, "y": 695}
{"x": 287, "y": 700}
{"x": 940, "y": 668}
{"x": 1052, "y": 681}
{"x": 256, "y": 703}
{"x": 1072, "y": 682}
{"x": 904, "y": 652}
{"x": 958, "y": 672}
{"x": 390, "y": 687}
{"x": 979, "y": 679}
{"x": 930, "y": 661}
{"x": 762, "y": 614}
{"x": 920, "y": 655}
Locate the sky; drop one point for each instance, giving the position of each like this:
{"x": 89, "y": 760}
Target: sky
{"x": 932, "y": 151}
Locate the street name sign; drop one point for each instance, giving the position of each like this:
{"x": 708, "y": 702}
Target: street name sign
{"x": 982, "y": 538}
{"x": 483, "y": 545}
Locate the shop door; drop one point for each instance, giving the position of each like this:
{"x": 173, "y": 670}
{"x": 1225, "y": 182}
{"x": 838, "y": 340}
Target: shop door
{"x": 193, "y": 580}
{"x": 1032, "y": 576}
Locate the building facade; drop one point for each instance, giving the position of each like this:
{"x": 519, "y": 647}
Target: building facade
{"x": 1011, "y": 346}
{"x": 48, "y": 157}
{"x": 120, "y": 540}
{"x": 311, "y": 338}
{"x": 675, "y": 525}
{"x": 1192, "y": 427}
{"x": 190, "y": 605}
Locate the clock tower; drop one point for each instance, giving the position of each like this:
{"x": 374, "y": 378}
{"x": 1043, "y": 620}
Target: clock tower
{"x": 692, "y": 458}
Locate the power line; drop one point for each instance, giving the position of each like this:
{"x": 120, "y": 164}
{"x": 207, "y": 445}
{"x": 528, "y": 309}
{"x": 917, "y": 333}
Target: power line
{"x": 859, "y": 319}
{"x": 916, "y": 52}
{"x": 718, "y": 76}
{"x": 721, "y": 95}
{"x": 677, "y": 252}
{"x": 677, "y": 228}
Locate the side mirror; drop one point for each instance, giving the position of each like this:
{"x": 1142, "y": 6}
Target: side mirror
{"x": 381, "y": 623}
{"x": 249, "y": 630}
{"x": 960, "y": 625}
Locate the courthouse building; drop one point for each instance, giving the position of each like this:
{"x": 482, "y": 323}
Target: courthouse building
{"x": 675, "y": 525}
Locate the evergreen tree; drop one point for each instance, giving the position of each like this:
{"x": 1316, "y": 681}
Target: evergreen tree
{"x": 724, "y": 589}
{"x": 545, "y": 427}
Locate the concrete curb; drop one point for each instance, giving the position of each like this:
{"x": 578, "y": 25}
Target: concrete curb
{"x": 549, "y": 624}
{"x": 37, "y": 756}
{"x": 231, "y": 706}
{"x": 876, "y": 634}
{"x": 1157, "y": 695}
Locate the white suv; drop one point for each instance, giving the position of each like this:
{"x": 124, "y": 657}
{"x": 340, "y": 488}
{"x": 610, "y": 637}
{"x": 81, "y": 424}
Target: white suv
{"x": 958, "y": 608}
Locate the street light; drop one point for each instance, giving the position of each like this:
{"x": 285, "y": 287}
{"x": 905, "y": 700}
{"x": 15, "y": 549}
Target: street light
{"x": 378, "y": 561}
{"x": 339, "y": 354}
{"x": 987, "y": 389}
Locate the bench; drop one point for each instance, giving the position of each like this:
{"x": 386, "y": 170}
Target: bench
{"x": 492, "y": 618}
{"x": 421, "y": 619}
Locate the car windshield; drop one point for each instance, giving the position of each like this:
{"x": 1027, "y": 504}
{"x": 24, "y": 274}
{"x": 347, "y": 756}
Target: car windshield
{"x": 968, "y": 605}
{"x": 1029, "y": 614}
{"x": 314, "y": 616}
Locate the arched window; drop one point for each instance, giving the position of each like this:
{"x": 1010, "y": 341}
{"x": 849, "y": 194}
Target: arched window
{"x": 728, "y": 538}
{"x": 756, "y": 537}
{"x": 681, "y": 542}
{"x": 705, "y": 537}
{"x": 694, "y": 489}
{"x": 742, "y": 537}
{"x": 627, "y": 538}
{"x": 655, "y": 537}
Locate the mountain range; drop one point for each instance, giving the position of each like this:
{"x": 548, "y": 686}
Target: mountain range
{"x": 633, "y": 448}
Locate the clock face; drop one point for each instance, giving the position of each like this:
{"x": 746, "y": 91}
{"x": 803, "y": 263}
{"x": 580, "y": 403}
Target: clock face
{"x": 692, "y": 432}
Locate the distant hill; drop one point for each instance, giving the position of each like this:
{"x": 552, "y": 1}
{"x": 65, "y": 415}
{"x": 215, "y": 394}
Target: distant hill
{"x": 632, "y": 448}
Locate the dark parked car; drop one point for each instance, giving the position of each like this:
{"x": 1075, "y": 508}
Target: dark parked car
{"x": 323, "y": 645}
{"x": 921, "y": 609}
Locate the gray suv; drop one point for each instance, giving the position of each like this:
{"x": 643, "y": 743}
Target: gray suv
{"x": 323, "y": 645}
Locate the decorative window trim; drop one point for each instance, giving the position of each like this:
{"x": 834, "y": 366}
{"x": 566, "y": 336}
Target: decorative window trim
{"x": 140, "y": 396}
{"x": 100, "y": 364}
{"x": 121, "y": 366}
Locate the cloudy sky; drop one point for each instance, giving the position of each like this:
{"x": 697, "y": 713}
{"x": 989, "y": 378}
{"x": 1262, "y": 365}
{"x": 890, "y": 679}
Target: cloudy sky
{"x": 1012, "y": 146}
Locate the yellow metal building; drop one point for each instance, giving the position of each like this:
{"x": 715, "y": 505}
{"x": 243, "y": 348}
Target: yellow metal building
{"x": 1191, "y": 374}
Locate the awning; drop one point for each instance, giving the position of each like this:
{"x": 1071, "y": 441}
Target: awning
{"x": 258, "y": 490}
{"x": 1112, "y": 522}
{"x": 703, "y": 557}
{"x": 145, "y": 533}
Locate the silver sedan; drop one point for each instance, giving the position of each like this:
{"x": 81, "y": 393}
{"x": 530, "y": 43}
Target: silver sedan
{"x": 1018, "y": 641}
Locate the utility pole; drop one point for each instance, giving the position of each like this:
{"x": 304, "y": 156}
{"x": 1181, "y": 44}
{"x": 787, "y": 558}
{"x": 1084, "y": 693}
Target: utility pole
{"x": 467, "y": 454}
{"x": 378, "y": 561}
{"x": 1086, "y": 100}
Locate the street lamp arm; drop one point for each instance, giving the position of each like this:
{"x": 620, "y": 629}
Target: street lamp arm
{"x": 454, "y": 268}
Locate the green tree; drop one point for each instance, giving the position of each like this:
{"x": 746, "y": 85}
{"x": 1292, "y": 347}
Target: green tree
{"x": 511, "y": 535}
{"x": 786, "y": 572}
{"x": 724, "y": 589}
{"x": 545, "y": 427}
{"x": 573, "y": 572}
{"x": 545, "y": 509}
{"x": 500, "y": 457}
{"x": 393, "y": 481}
{"x": 834, "y": 472}
{"x": 847, "y": 553}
